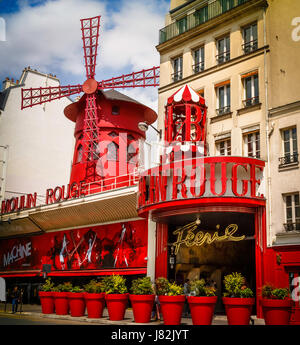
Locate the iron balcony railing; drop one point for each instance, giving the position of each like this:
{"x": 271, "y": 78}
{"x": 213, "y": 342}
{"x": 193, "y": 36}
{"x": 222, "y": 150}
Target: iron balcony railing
{"x": 288, "y": 159}
{"x": 198, "y": 67}
{"x": 223, "y": 110}
{"x": 197, "y": 18}
{"x": 251, "y": 101}
{"x": 249, "y": 47}
{"x": 177, "y": 76}
{"x": 223, "y": 57}
{"x": 289, "y": 226}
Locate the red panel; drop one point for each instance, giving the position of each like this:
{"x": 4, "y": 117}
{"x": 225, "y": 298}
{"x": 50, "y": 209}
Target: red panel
{"x": 114, "y": 246}
{"x": 161, "y": 264}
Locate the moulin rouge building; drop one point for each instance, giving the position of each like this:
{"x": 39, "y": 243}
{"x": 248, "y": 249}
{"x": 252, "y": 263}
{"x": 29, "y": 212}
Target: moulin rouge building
{"x": 200, "y": 208}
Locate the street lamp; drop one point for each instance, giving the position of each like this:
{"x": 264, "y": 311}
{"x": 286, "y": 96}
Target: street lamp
{"x": 143, "y": 126}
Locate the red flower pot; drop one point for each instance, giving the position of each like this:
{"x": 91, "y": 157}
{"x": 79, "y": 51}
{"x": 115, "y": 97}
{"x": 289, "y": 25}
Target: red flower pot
{"x": 77, "y": 303}
{"x": 61, "y": 303}
{"x": 94, "y": 304}
{"x": 47, "y": 302}
{"x": 116, "y": 306}
{"x": 238, "y": 310}
{"x": 171, "y": 308}
{"x": 276, "y": 311}
{"x": 142, "y": 307}
{"x": 202, "y": 309}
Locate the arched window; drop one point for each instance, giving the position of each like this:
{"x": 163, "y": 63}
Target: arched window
{"x": 113, "y": 152}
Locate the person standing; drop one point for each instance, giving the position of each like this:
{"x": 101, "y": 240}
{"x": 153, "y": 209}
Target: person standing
{"x": 15, "y": 295}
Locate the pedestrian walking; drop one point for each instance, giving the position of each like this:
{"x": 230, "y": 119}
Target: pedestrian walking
{"x": 15, "y": 295}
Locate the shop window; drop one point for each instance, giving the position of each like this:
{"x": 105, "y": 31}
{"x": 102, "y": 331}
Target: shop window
{"x": 292, "y": 212}
{"x": 223, "y": 147}
{"x": 198, "y": 57}
{"x": 223, "y": 98}
{"x": 115, "y": 110}
{"x": 252, "y": 144}
{"x": 251, "y": 92}
{"x": 223, "y": 50}
{"x": 112, "y": 152}
{"x": 250, "y": 38}
{"x": 177, "y": 68}
{"x": 290, "y": 147}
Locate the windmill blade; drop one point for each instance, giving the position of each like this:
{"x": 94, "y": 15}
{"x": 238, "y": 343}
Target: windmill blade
{"x": 40, "y": 95}
{"x": 144, "y": 78}
{"x": 90, "y": 34}
{"x": 91, "y": 133}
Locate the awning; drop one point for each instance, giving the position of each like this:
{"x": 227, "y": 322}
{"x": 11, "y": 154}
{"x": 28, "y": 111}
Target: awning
{"x": 186, "y": 94}
{"x": 96, "y": 209}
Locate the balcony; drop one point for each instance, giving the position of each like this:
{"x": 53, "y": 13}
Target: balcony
{"x": 288, "y": 159}
{"x": 223, "y": 110}
{"x": 223, "y": 57}
{"x": 198, "y": 67}
{"x": 250, "y": 46}
{"x": 292, "y": 226}
{"x": 249, "y": 102}
{"x": 176, "y": 76}
{"x": 200, "y": 16}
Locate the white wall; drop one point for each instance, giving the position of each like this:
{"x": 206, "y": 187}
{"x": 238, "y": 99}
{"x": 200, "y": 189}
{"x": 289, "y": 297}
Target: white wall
{"x": 40, "y": 140}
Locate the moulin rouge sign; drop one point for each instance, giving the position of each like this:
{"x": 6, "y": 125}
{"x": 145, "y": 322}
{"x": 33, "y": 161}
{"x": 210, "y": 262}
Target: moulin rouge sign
{"x": 207, "y": 177}
{"x": 53, "y": 195}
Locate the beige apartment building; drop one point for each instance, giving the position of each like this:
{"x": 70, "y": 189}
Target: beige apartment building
{"x": 242, "y": 56}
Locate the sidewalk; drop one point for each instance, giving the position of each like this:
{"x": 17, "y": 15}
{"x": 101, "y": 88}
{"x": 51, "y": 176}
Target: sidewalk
{"x": 36, "y": 310}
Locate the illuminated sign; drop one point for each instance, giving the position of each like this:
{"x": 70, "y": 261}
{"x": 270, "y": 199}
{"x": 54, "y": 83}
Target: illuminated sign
{"x": 187, "y": 236}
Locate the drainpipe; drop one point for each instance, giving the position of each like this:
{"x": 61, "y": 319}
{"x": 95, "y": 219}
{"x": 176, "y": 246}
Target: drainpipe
{"x": 268, "y": 133}
{"x": 3, "y": 174}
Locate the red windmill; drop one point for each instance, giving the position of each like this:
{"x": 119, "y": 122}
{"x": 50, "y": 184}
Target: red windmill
{"x": 91, "y": 88}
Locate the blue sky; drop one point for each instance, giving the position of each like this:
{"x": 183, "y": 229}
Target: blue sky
{"x": 45, "y": 34}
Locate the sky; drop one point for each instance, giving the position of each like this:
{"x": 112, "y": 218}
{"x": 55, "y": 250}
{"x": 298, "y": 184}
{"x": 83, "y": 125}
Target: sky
{"x": 46, "y": 35}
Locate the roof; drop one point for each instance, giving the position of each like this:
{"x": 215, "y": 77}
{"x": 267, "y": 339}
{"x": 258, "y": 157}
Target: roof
{"x": 186, "y": 94}
{"x": 118, "y": 96}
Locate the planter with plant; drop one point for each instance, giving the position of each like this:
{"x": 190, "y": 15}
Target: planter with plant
{"x": 61, "y": 298}
{"x": 76, "y": 301}
{"x": 202, "y": 301}
{"x": 238, "y": 299}
{"x": 276, "y": 305}
{"x": 94, "y": 298}
{"x": 46, "y": 297}
{"x": 142, "y": 298}
{"x": 116, "y": 296}
{"x": 171, "y": 299}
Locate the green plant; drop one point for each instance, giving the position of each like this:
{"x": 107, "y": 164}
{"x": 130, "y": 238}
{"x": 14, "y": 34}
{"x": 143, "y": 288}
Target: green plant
{"x": 142, "y": 286}
{"x": 76, "y": 289}
{"x": 165, "y": 288}
{"x": 115, "y": 284}
{"x": 199, "y": 288}
{"x": 48, "y": 286}
{"x": 271, "y": 292}
{"x": 65, "y": 287}
{"x": 94, "y": 287}
{"x": 235, "y": 286}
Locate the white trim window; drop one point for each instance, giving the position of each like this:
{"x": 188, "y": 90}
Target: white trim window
{"x": 252, "y": 144}
{"x": 223, "y": 49}
{"x": 290, "y": 146}
{"x": 250, "y": 38}
{"x": 292, "y": 211}
{"x": 177, "y": 64}
{"x": 251, "y": 90}
{"x": 223, "y": 99}
{"x": 223, "y": 147}
{"x": 198, "y": 56}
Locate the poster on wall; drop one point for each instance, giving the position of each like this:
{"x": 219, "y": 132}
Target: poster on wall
{"x": 120, "y": 245}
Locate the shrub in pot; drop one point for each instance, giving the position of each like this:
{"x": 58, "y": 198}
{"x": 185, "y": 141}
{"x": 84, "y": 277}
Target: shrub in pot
{"x": 171, "y": 299}
{"x": 142, "y": 298}
{"x": 94, "y": 298}
{"x": 238, "y": 299}
{"x": 276, "y": 305}
{"x": 46, "y": 297}
{"x": 76, "y": 301}
{"x": 202, "y": 301}
{"x": 116, "y": 296}
{"x": 61, "y": 298}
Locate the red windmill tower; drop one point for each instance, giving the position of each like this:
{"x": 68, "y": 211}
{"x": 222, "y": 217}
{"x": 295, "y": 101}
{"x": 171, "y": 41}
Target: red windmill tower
{"x": 89, "y": 110}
